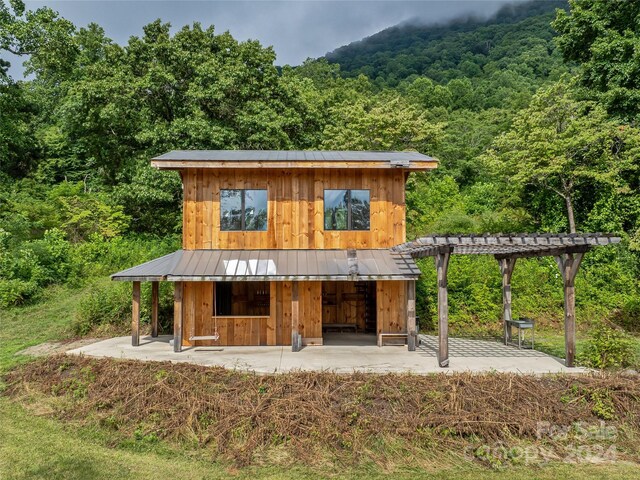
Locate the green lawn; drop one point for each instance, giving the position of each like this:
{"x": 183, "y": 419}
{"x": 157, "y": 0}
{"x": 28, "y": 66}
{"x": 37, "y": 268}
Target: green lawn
{"x": 48, "y": 319}
{"x": 33, "y": 447}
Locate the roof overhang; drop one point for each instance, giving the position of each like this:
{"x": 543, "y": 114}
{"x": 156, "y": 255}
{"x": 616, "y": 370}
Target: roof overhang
{"x": 274, "y": 265}
{"x": 251, "y": 159}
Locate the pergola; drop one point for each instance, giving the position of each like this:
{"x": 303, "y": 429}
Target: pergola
{"x": 568, "y": 250}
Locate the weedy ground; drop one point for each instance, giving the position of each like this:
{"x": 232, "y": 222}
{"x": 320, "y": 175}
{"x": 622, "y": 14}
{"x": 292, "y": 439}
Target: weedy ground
{"x": 333, "y": 422}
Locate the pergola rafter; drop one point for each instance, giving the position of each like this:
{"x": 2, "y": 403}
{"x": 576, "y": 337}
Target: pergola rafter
{"x": 568, "y": 250}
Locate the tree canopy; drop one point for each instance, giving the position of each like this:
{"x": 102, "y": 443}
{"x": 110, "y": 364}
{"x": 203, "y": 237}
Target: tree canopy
{"x": 604, "y": 37}
{"x": 527, "y": 140}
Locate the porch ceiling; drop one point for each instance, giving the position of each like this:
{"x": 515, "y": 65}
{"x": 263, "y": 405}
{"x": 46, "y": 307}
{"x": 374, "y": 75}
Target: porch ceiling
{"x": 273, "y": 265}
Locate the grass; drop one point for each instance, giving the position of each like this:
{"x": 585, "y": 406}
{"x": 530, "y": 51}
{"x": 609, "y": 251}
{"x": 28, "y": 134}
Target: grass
{"x": 552, "y": 343}
{"x": 47, "y": 320}
{"x": 33, "y": 447}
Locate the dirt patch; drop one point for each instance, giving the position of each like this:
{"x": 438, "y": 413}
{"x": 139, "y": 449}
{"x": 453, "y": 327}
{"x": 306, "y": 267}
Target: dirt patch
{"x": 315, "y": 416}
{"x": 47, "y": 349}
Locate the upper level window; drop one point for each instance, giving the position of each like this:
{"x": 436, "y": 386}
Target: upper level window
{"x": 243, "y": 210}
{"x": 346, "y": 209}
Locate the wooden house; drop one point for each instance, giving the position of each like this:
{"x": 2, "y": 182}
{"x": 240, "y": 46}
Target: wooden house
{"x": 280, "y": 247}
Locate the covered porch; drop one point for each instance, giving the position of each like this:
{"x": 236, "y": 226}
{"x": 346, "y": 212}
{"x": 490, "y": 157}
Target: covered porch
{"x": 296, "y": 316}
{"x": 277, "y": 297}
{"x": 339, "y": 354}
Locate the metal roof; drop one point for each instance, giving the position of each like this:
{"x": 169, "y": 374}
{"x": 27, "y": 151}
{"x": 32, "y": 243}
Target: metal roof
{"x": 272, "y": 265}
{"x": 502, "y": 245}
{"x": 290, "y": 155}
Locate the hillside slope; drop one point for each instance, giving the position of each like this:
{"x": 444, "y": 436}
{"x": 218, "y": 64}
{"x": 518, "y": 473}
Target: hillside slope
{"x": 518, "y": 38}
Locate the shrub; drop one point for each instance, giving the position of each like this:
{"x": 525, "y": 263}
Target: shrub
{"x": 628, "y": 317}
{"x": 107, "y": 304}
{"x": 15, "y": 291}
{"x": 31, "y": 265}
{"x": 608, "y": 348}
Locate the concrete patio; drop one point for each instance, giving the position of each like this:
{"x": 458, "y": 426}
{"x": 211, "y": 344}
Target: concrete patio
{"x": 342, "y": 353}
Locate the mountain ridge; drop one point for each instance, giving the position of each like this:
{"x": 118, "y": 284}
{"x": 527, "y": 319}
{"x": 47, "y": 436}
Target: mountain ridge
{"x": 411, "y": 48}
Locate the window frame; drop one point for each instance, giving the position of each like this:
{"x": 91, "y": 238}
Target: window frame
{"x": 349, "y": 210}
{"x": 243, "y": 219}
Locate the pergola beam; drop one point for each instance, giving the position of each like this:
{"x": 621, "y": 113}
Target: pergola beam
{"x": 553, "y": 252}
{"x": 507, "y": 245}
{"x": 506, "y": 268}
{"x": 569, "y": 263}
{"x": 442, "y": 266}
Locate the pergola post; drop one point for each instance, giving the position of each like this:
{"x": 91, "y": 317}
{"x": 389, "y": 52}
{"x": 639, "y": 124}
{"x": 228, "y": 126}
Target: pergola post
{"x": 296, "y": 341}
{"x": 177, "y": 316}
{"x": 442, "y": 265}
{"x": 412, "y": 333}
{"x": 569, "y": 263}
{"x": 135, "y": 315}
{"x": 506, "y": 268}
{"x": 154, "y": 309}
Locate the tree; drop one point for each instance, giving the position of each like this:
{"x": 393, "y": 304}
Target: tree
{"x": 561, "y": 145}
{"x": 381, "y": 123}
{"x": 18, "y": 151}
{"x": 39, "y": 34}
{"x": 604, "y": 37}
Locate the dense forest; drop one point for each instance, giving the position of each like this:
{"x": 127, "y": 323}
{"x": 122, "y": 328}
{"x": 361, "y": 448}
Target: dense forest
{"x": 533, "y": 114}
{"x": 516, "y": 43}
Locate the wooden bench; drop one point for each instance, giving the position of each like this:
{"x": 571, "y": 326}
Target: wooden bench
{"x": 381, "y": 337}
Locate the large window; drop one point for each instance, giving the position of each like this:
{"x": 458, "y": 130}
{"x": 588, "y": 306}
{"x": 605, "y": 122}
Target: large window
{"x": 243, "y": 210}
{"x": 346, "y": 210}
{"x": 241, "y": 298}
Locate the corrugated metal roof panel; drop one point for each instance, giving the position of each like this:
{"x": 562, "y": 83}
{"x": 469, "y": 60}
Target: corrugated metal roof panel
{"x": 156, "y": 269}
{"x": 267, "y": 265}
{"x": 288, "y": 155}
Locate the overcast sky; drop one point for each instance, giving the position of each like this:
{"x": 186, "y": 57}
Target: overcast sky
{"x": 296, "y": 29}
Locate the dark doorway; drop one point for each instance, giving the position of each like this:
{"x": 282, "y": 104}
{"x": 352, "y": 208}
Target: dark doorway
{"x": 349, "y": 307}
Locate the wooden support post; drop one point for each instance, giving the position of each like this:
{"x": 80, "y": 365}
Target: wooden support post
{"x": 412, "y": 332}
{"x": 506, "y": 268}
{"x": 154, "y": 309}
{"x": 442, "y": 265}
{"x": 177, "y": 317}
{"x": 296, "y": 342}
{"x": 135, "y": 315}
{"x": 569, "y": 263}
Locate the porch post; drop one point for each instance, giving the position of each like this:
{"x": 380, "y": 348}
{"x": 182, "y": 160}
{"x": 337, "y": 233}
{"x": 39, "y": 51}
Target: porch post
{"x": 135, "y": 315}
{"x": 442, "y": 265}
{"x": 177, "y": 317}
{"x": 569, "y": 263}
{"x": 154, "y": 309}
{"x": 412, "y": 334}
{"x": 296, "y": 341}
{"x": 506, "y": 268}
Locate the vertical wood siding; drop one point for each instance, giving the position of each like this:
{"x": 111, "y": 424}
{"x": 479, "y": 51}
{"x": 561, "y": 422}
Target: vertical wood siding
{"x": 295, "y": 208}
{"x": 272, "y": 329}
{"x": 391, "y": 298}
